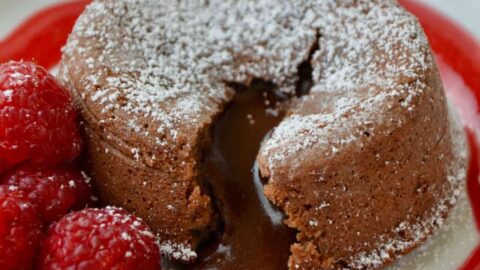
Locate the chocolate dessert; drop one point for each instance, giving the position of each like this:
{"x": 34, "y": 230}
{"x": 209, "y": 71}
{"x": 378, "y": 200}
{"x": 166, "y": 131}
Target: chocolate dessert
{"x": 336, "y": 107}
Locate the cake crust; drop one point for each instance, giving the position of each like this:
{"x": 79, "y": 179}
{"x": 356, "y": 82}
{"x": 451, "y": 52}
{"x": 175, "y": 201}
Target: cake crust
{"x": 357, "y": 165}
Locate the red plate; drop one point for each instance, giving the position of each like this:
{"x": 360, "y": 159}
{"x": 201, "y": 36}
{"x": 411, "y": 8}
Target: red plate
{"x": 41, "y": 37}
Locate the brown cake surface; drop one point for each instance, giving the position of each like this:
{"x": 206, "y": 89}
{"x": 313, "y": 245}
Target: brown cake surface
{"x": 365, "y": 165}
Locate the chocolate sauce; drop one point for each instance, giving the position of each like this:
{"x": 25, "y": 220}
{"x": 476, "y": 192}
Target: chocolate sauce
{"x": 253, "y": 235}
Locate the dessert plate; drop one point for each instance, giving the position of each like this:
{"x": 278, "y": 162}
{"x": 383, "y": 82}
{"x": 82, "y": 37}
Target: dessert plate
{"x": 457, "y": 244}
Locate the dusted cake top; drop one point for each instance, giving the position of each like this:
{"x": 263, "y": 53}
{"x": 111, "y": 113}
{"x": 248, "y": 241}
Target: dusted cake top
{"x": 168, "y": 61}
{"x": 150, "y": 78}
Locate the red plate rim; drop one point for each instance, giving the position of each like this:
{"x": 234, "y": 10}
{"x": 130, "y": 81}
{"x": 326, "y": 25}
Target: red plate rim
{"x": 457, "y": 47}
{"x": 41, "y": 37}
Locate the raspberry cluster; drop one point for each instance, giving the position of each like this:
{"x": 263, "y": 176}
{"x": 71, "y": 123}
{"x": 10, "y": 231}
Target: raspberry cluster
{"x": 40, "y": 187}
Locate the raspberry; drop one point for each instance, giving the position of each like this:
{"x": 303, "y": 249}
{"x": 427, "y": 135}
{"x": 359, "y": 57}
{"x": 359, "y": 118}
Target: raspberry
{"x": 20, "y": 230}
{"x": 37, "y": 119}
{"x": 100, "y": 239}
{"x": 53, "y": 191}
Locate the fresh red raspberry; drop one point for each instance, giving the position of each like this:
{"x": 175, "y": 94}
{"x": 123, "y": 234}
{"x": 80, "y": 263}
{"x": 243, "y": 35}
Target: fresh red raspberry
{"x": 100, "y": 239}
{"x": 37, "y": 119}
{"x": 54, "y": 192}
{"x": 20, "y": 230}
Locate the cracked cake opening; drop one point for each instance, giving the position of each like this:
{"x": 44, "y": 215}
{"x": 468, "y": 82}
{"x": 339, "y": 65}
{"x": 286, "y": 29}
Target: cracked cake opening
{"x": 253, "y": 234}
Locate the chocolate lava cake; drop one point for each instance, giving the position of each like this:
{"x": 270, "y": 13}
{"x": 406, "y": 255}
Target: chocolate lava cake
{"x": 267, "y": 134}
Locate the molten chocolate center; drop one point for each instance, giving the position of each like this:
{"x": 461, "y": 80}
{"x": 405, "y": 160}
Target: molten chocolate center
{"x": 253, "y": 235}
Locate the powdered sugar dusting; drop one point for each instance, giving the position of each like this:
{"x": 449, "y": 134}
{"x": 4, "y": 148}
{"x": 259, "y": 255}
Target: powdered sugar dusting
{"x": 390, "y": 249}
{"x": 157, "y": 71}
{"x": 372, "y": 57}
{"x": 178, "y": 251}
{"x": 169, "y": 61}
{"x": 180, "y": 53}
